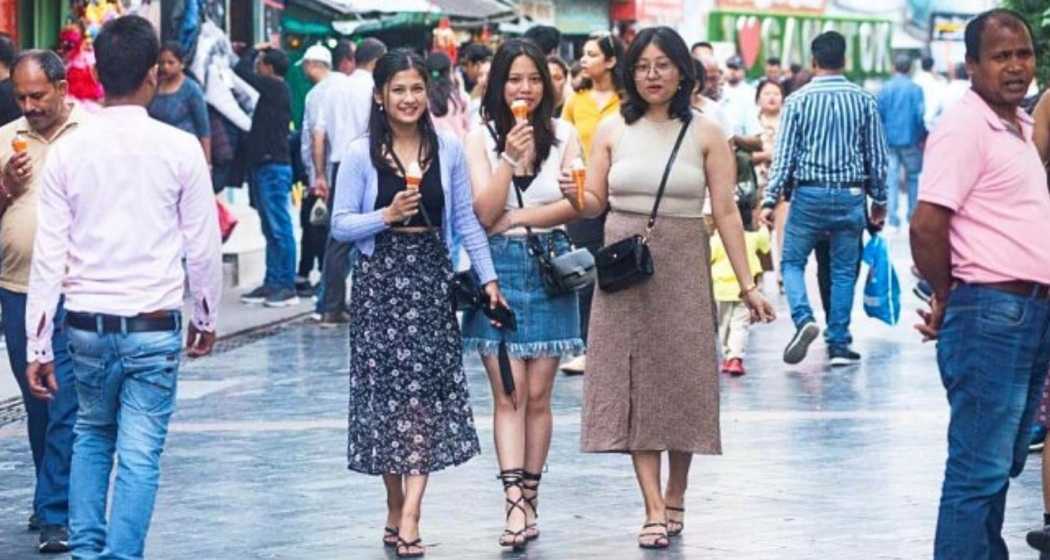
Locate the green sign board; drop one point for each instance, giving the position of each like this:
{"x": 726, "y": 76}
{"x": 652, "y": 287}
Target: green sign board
{"x": 759, "y": 36}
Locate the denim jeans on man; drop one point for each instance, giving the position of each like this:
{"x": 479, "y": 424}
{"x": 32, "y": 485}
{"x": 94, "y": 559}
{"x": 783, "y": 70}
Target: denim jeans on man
{"x": 993, "y": 351}
{"x": 126, "y": 385}
{"x": 910, "y": 159}
{"x": 271, "y": 185}
{"x": 50, "y": 423}
{"x": 332, "y": 296}
{"x": 835, "y": 213}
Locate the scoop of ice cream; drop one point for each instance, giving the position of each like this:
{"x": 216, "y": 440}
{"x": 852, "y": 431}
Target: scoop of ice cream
{"x": 413, "y": 175}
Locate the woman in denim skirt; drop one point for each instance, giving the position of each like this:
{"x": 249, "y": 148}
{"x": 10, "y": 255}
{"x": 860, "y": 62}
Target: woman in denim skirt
{"x": 531, "y": 152}
{"x": 409, "y": 406}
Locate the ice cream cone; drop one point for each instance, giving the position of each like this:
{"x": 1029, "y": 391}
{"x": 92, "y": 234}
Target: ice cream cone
{"x": 520, "y": 109}
{"x": 579, "y": 176}
{"x": 19, "y": 144}
{"x": 413, "y": 176}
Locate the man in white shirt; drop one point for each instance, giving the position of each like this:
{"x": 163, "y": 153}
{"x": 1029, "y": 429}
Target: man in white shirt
{"x": 738, "y": 98}
{"x": 124, "y": 201}
{"x": 933, "y": 87}
{"x": 343, "y": 117}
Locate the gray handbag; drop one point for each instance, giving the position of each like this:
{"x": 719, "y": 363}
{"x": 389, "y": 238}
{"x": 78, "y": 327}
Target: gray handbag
{"x": 562, "y": 273}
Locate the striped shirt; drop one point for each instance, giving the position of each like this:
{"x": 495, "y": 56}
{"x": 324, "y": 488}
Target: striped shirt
{"x": 830, "y": 132}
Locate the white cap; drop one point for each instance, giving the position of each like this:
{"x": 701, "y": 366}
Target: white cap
{"x": 317, "y": 53}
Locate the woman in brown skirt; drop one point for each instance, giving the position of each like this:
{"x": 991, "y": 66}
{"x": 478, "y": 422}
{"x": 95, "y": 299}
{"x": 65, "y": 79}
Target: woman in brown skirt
{"x": 646, "y": 394}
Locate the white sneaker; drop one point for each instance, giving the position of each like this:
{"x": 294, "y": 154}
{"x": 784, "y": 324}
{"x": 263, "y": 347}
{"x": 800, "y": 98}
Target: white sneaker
{"x": 576, "y": 365}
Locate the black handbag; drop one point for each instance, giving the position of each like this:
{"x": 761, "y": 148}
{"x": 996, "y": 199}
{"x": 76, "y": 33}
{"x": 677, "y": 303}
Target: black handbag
{"x": 561, "y": 273}
{"x": 628, "y": 261}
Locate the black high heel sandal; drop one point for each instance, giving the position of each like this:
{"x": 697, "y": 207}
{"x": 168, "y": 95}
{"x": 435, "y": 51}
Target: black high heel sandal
{"x": 660, "y": 542}
{"x": 674, "y": 532}
{"x": 513, "y": 478}
{"x": 390, "y": 533}
{"x": 402, "y": 544}
{"x": 531, "y": 483}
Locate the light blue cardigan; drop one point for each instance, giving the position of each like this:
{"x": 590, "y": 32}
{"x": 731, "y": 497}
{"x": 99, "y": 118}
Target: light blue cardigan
{"x": 356, "y": 219}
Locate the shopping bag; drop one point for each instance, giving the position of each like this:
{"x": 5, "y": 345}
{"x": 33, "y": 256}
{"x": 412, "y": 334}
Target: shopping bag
{"x": 227, "y": 221}
{"x": 882, "y": 291}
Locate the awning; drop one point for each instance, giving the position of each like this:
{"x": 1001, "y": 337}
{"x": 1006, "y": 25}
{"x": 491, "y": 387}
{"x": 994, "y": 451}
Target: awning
{"x": 380, "y": 6}
{"x": 474, "y": 9}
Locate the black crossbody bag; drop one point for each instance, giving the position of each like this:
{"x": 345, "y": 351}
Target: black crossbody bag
{"x": 628, "y": 262}
{"x": 561, "y": 273}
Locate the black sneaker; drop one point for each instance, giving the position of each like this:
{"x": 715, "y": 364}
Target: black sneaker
{"x": 1040, "y": 540}
{"x": 34, "y": 523}
{"x": 305, "y": 290}
{"x": 54, "y": 539}
{"x": 282, "y": 298}
{"x": 258, "y": 295}
{"x": 842, "y": 356}
{"x": 336, "y": 319}
{"x": 799, "y": 345}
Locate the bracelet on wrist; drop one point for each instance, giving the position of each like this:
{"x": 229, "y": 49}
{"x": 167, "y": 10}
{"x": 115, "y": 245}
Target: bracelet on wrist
{"x": 505, "y": 157}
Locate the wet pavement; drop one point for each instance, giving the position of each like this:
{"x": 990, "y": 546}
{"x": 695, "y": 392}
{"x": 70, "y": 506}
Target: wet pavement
{"x": 818, "y": 463}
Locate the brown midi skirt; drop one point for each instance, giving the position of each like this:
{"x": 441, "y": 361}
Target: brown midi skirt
{"x": 652, "y": 374}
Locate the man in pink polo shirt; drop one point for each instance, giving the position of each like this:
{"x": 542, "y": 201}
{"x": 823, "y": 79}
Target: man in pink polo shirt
{"x": 983, "y": 202}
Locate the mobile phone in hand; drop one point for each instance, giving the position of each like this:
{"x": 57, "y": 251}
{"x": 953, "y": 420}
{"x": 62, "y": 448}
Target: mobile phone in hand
{"x": 502, "y": 315}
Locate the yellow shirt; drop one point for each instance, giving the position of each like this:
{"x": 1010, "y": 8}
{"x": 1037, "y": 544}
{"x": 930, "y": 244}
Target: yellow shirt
{"x": 18, "y": 226}
{"x": 583, "y": 112}
{"x": 726, "y": 286}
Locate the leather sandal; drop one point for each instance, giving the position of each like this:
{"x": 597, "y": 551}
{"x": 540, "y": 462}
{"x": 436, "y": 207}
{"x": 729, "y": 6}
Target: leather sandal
{"x": 531, "y": 483}
{"x": 513, "y": 479}
{"x": 390, "y": 536}
{"x": 675, "y": 526}
{"x": 404, "y": 547}
{"x": 661, "y": 541}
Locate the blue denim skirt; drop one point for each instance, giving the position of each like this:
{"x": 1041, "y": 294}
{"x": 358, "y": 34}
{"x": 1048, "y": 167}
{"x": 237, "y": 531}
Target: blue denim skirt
{"x": 548, "y": 326}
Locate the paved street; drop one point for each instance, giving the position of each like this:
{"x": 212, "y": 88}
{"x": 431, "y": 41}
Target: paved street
{"x": 828, "y": 464}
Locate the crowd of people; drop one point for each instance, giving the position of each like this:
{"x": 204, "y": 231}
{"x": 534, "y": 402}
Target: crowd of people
{"x": 420, "y": 168}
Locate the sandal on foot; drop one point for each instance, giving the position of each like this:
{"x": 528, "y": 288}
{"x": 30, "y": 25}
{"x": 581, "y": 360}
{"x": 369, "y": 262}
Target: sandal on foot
{"x": 660, "y": 542}
{"x": 404, "y": 548}
{"x": 531, "y": 483}
{"x": 513, "y": 479}
{"x": 675, "y": 526}
{"x": 389, "y": 536}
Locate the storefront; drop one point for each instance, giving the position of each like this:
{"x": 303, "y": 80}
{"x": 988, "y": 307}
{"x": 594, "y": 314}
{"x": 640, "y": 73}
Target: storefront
{"x": 759, "y": 35}
{"x": 581, "y": 17}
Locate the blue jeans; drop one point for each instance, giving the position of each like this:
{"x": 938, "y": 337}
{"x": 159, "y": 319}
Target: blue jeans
{"x": 835, "y": 214}
{"x": 271, "y": 186}
{"x": 993, "y": 351}
{"x": 50, "y": 423}
{"x": 909, "y": 157}
{"x": 126, "y": 384}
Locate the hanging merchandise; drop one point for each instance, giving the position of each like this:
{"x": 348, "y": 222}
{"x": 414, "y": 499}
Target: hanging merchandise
{"x": 79, "y": 57}
{"x": 213, "y": 67}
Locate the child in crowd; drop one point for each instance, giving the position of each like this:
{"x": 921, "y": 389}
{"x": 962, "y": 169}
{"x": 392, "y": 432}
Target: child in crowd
{"x": 733, "y": 315}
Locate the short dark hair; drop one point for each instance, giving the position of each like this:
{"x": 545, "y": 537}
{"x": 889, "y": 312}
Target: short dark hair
{"x": 704, "y": 44}
{"x": 125, "y": 51}
{"x": 7, "y": 52}
{"x": 927, "y": 63}
{"x": 773, "y": 61}
{"x": 370, "y": 49}
{"x": 769, "y": 83}
{"x": 48, "y": 61}
{"x": 276, "y": 59}
{"x": 548, "y": 38}
{"x": 974, "y": 33}
{"x": 960, "y": 71}
{"x": 829, "y": 50}
{"x": 795, "y": 67}
{"x": 344, "y": 50}
{"x": 670, "y": 42}
{"x": 173, "y": 47}
{"x": 902, "y": 63}
{"x": 474, "y": 52}
{"x": 560, "y": 62}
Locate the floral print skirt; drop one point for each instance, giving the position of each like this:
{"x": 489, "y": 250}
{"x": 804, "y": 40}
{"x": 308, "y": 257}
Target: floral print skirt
{"x": 410, "y": 408}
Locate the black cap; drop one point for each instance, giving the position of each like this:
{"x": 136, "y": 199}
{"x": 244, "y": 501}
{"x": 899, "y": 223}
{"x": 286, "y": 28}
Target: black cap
{"x": 735, "y": 62}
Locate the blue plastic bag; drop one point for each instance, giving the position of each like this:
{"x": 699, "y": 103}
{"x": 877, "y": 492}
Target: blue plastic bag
{"x": 882, "y": 291}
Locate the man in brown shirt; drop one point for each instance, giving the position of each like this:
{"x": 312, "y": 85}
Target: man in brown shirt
{"x": 39, "y": 79}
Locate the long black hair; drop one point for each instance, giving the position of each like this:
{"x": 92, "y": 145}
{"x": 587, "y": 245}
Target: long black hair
{"x": 670, "y": 42}
{"x": 496, "y": 113}
{"x": 611, "y": 47}
{"x": 380, "y": 136}
{"x": 441, "y": 91}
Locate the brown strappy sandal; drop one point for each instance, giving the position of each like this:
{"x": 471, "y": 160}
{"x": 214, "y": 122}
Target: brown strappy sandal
{"x": 531, "y": 483}
{"x": 513, "y": 479}
{"x": 390, "y": 536}
{"x": 675, "y": 526}
{"x": 404, "y": 548}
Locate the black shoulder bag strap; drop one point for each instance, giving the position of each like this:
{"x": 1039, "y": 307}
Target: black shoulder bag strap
{"x": 663, "y": 182}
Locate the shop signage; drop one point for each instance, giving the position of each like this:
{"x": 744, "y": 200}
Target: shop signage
{"x": 759, "y": 36}
{"x": 813, "y": 7}
{"x": 658, "y": 11}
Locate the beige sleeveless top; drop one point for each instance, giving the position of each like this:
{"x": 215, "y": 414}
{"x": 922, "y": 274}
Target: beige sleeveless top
{"x": 638, "y": 161}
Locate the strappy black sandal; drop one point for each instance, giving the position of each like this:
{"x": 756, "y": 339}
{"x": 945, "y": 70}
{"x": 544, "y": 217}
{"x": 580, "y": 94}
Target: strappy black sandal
{"x": 531, "y": 483}
{"x": 404, "y": 545}
{"x": 390, "y": 536}
{"x": 673, "y": 531}
{"x": 662, "y": 541}
{"x": 513, "y": 478}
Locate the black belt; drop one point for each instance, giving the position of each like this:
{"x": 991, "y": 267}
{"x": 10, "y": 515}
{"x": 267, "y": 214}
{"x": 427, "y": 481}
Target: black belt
{"x": 112, "y": 324}
{"x": 832, "y": 184}
{"x": 1019, "y": 288}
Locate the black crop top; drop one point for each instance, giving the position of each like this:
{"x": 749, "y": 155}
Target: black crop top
{"x": 390, "y": 183}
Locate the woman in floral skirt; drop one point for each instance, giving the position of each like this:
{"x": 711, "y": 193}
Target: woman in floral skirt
{"x": 410, "y": 411}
